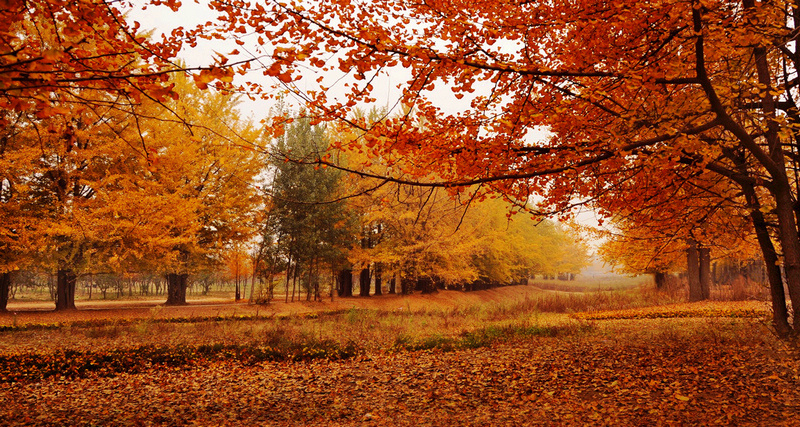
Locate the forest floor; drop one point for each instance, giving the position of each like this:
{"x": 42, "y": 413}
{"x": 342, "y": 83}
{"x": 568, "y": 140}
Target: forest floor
{"x": 507, "y": 356}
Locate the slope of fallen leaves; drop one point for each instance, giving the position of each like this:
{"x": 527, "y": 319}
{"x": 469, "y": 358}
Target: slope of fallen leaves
{"x": 726, "y": 373}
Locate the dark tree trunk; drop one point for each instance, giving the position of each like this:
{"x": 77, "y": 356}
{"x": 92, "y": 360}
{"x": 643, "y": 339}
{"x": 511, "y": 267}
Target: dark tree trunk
{"x": 393, "y": 284}
{"x": 704, "y": 255}
{"x": 65, "y": 290}
{"x": 176, "y": 288}
{"x": 345, "y": 283}
{"x": 661, "y": 279}
{"x": 5, "y": 288}
{"x": 693, "y": 271}
{"x": 406, "y": 285}
{"x": 363, "y": 282}
{"x": 780, "y": 187}
{"x": 378, "y": 279}
{"x": 791, "y": 251}
{"x": 780, "y": 315}
{"x": 426, "y": 285}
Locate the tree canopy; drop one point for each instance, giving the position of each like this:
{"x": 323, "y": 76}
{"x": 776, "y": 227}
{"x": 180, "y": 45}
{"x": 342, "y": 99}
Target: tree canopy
{"x": 623, "y": 89}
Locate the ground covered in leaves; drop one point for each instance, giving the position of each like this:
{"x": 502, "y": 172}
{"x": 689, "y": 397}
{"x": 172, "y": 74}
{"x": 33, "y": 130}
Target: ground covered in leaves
{"x": 506, "y": 365}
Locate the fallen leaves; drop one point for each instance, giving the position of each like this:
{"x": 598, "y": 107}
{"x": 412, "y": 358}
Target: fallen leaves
{"x": 701, "y": 309}
{"x": 741, "y": 378}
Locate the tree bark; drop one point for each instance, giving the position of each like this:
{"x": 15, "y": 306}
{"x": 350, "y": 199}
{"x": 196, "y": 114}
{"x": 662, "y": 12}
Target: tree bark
{"x": 5, "y": 288}
{"x": 363, "y": 282}
{"x": 378, "y": 279}
{"x": 704, "y": 255}
{"x": 780, "y": 315}
{"x": 176, "y": 288}
{"x": 426, "y": 285}
{"x": 65, "y": 289}
{"x": 661, "y": 279}
{"x": 791, "y": 251}
{"x": 345, "y": 283}
{"x": 693, "y": 271}
{"x": 393, "y": 284}
{"x": 406, "y": 285}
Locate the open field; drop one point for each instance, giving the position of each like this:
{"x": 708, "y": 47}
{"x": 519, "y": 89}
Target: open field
{"x": 507, "y": 356}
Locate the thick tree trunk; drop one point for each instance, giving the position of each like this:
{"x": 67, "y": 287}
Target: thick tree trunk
{"x": 393, "y": 284}
{"x": 660, "y": 278}
{"x": 65, "y": 289}
{"x": 378, "y": 279}
{"x": 363, "y": 282}
{"x": 5, "y": 288}
{"x": 693, "y": 271}
{"x": 176, "y": 288}
{"x": 791, "y": 250}
{"x": 345, "y": 283}
{"x": 426, "y": 285}
{"x": 704, "y": 255}
{"x": 406, "y": 285}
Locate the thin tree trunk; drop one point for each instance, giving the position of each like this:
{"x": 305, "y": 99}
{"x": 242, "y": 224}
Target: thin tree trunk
{"x": 771, "y": 264}
{"x": 378, "y": 278}
{"x": 288, "y": 275}
{"x": 780, "y": 187}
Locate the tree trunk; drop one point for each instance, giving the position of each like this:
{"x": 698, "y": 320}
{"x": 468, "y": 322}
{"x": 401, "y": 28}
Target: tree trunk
{"x": 65, "y": 289}
{"x": 345, "y": 282}
{"x": 704, "y": 255}
{"x": 363, "y": 282}
{"x": 5, "y": 288}
{"x": 661, "y": 279}
{"x": 791, "y": 251}
{"x": 693, "y": 271}
{"x": 176, "y": 288}
{"x": 378, "y": 279}
{"x": 780, "y": 315}
{"x": 393, "y": 284}
{"x": 406, "y": 285}
{"x": 426, "y": 285}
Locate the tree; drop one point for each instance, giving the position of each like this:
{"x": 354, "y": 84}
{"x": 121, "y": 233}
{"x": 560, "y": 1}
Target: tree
{"x": 676, "y": 223}
{"x": 74, "y": 75}
{"x": 311, "y": 228}
{"x": 208, "y": 166}
{"x": 619, "y": 87}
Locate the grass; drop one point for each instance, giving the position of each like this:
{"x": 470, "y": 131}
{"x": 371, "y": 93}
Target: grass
{"x": 507, "y": 356}
{"x": 500, "y": 316}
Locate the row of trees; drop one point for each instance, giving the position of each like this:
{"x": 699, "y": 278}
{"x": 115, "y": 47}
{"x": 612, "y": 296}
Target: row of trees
{"x": 679, "y": 116}
{"x": 113, "y": 160}
{"x": 189, "y": 204}
{"x": 323, "y": 225}
{"x": 113, "y": 186}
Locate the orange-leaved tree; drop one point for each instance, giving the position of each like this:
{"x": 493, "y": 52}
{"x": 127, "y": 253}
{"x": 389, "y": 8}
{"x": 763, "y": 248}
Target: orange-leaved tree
{"x": 706, "y": 85}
